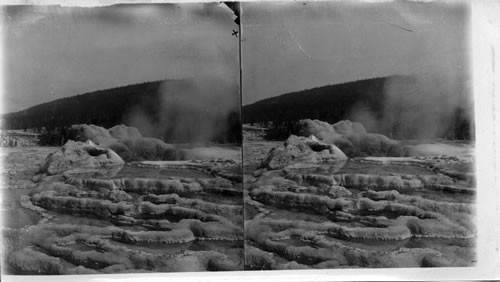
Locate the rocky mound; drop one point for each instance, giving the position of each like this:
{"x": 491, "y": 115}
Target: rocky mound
{"x": 132, "y": 146}
{"x": 302, "y": 150}
{"x": 351, "y": 137}
{"x": 125, "y": 141}
{"x": 80, "y": 155}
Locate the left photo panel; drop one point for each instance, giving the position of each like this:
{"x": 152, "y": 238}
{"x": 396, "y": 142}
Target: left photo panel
{"x": 121, "y": 139}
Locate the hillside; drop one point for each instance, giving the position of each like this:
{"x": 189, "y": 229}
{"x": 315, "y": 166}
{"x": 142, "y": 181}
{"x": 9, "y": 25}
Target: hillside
{"x": 99, "y": 107}
{"x": 142, "y": 105}
{"x": 367, "y": 101}
{"x": 328, "y": 103}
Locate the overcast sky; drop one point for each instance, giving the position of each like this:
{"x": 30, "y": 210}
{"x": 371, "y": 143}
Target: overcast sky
{"x": 294, "y": 46}
{"x": 53, "y": 52}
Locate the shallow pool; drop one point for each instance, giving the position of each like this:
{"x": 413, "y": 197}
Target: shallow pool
{"x": 15, "y": 216}
{"x": 356, "y": 167}
{"x": 129, "y": 171}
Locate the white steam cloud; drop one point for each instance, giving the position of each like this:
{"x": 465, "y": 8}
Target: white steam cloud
{"x": 193, "y": 110}
{"x": 422, "y": 106}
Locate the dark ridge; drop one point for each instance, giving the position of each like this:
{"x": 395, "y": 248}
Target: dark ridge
{"x": 110, "y": 107}
{"x": 329, "y": 103}
{"x": 332, "y": 103}
{"x": 100, "y": 107}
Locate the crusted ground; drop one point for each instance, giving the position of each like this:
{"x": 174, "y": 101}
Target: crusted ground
{"x": 141, "y": 218}
{"x": 363, "y": 212}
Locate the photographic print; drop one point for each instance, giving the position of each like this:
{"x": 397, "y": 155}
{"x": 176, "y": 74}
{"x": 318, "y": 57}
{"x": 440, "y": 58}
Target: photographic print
{"x": 121, "y": 139}
{"x": 311, "y": 136}
{"x": 358, "y": 129}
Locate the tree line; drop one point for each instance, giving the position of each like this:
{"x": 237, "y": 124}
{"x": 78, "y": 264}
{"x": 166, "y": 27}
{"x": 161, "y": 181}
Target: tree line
{"x": 333, "y": 103}
{"x": 107, "y": 108}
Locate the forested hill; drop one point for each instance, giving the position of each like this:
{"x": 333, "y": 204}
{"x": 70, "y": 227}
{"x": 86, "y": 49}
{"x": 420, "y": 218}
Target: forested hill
{"x": 329, "y": 103}
{"x": 383, "y": 113}
{"x": 114, "y": 106}
{"x": 104, "y": 107}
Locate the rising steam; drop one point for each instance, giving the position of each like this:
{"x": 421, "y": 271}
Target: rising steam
{"x": 421, "y": 106}
{"x": 197, "y": 110}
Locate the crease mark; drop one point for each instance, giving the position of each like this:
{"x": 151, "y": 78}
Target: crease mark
{"x": 298, "y": 44}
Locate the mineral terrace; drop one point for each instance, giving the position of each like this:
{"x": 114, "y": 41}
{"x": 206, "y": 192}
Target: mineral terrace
{"x": 113, "y": 201}
{"x": 339, "y": 197}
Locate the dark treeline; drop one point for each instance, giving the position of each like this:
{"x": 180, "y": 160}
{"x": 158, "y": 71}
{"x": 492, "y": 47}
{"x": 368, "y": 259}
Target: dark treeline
{"x": 105, "y": 108}
{"x": 333, "y": 103}
{"x": 108, "y": 108}
{"x": 329, "y": 103}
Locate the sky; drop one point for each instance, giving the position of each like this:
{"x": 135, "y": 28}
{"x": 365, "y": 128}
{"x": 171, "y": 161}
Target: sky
{"x": 52, "y": 52}
{"x": 289, "y": 47}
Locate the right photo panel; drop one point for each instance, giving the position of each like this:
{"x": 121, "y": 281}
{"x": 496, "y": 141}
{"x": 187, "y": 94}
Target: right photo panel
{"x": 358, "y": 135}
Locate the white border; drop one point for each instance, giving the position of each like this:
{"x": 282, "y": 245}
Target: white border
{"x": 485, "y": 58}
